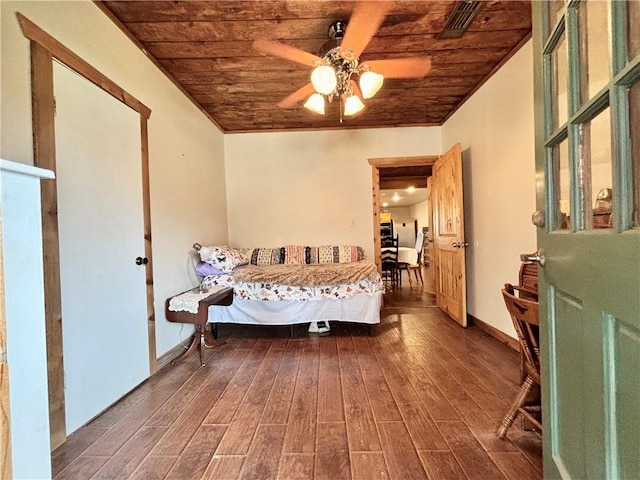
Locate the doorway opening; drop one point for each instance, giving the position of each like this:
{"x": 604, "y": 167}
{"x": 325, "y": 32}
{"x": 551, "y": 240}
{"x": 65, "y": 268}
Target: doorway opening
{"x": 400, "y": 206}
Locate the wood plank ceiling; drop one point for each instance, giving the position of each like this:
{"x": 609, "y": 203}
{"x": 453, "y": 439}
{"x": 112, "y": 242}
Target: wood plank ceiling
{"x": 206, "y": 48}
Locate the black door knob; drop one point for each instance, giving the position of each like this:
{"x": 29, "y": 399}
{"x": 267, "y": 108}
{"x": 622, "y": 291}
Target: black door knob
{"x": 141, "y": 260}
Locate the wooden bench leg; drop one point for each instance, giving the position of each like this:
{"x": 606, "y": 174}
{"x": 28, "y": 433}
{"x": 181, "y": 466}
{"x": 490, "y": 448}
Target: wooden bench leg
{"x": 198, "y": 342}
{"x": 195, "y": 343}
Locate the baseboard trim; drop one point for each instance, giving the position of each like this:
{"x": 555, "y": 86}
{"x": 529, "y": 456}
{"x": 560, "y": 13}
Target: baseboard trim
{"x": 165, "y": 359}
{"x": 494, "y": 332}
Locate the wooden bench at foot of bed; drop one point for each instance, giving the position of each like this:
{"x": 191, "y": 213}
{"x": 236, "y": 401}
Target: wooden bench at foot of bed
{"x": 202, "y": 337}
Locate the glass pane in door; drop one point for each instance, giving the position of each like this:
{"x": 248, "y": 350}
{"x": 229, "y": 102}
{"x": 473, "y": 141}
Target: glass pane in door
{"x": 595, "y": 62}
{"x": 595, "y": 169}
{"x": 559, "y": 83}
{"x": 562, "y": 184}
{"x": 633, "y": 29}
{"x": 634, "y": 123}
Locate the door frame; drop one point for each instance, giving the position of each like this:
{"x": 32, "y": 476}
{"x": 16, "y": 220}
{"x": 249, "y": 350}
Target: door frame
{"x": 44, "y": 49}
{"x": 389, "y": 162}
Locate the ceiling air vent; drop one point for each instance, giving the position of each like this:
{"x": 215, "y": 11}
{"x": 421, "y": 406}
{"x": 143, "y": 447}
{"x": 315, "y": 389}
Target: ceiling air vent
{"x": 460, "y": 19}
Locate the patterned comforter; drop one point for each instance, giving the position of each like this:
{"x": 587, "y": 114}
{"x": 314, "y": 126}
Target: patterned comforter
{"x": 301, "y": 282}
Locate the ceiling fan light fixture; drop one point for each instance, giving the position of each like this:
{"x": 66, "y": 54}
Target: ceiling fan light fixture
{"x": 352, "y": 105}
{"x": 338, "y": 74}
{"x": 315, "y": 103}
{"x": 370, "y": 83}
{"x": 323, "y": 79}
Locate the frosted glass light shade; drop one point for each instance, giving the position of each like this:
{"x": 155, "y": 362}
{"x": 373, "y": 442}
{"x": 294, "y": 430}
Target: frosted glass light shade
{"x": 370, "y": 83}
{"x": 315, "y": 103}
{"x": 352, "y": 105}
{"x": 323, "y": 79}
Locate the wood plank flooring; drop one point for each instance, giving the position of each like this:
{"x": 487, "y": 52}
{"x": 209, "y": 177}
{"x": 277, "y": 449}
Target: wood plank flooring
{"x": 419, "y": 398}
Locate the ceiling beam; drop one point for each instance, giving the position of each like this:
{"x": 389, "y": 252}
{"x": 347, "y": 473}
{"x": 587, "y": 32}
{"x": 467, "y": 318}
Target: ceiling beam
{"x": 402, "y": 183}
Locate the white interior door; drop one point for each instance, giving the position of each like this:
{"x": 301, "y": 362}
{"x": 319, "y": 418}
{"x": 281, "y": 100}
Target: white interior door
{"x": 105, "y": 338}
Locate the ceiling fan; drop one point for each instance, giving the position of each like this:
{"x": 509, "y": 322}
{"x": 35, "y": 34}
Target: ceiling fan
{"x": 334, "y": 73}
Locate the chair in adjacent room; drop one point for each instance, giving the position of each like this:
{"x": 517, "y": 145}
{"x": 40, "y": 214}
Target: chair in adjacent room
{"x": 416, "y": 268}
{"x": 524, "y": 314}
{"x": 389, "y": 260}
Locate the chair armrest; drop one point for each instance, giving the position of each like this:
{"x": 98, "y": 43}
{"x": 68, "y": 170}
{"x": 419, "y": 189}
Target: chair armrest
{"x": 522, "y": 292}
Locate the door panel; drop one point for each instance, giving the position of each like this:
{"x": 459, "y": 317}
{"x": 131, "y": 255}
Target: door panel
{"x": 568, "y": 376}
{"x": 104, "y": 316}
{"x": 448, "y": 232}
{"x": 622, "y": 349}
{"x": 590, "y": 284}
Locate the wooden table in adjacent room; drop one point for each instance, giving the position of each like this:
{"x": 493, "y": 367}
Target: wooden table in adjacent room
{"x": 202, "y": 337}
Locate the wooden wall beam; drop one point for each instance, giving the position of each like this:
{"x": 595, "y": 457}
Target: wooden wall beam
{"x": 375, "y": 181}
{"x": 146, "y": 212}
{"x": 66, "y": 56}
{"x": 403, "y": 161}
{"x": 44, "y": 156}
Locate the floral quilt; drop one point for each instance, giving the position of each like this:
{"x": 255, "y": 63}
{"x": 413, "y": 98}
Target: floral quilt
{"x": 300, "y": 282}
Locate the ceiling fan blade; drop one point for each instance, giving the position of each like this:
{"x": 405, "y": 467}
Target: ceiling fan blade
{"x": 363, "y": 24}
{"x": 296, "y": 97}
{"x": 286, "y": 51}
{"x": 415, "y": 67}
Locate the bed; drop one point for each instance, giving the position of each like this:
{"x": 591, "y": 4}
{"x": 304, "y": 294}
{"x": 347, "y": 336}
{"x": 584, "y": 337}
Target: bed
{"x": 297, "y": 285}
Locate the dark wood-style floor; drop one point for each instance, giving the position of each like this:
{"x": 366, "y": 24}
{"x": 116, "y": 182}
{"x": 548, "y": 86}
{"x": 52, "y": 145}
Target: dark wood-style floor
{"x": 419, "y": 398}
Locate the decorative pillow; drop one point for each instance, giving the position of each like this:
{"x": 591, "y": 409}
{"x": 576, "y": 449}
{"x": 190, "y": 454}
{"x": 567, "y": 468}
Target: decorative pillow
{"x": 350, "y": 253}
{"x": 334, "y": 254}
{"x": 294, "y": 254}
{"x": 204, "y": 269}
{"x": 310, "y": 255}
{"x": 268, "y": 256}
{"x": 328, "y": 254}
{"x": 224, "y": 258}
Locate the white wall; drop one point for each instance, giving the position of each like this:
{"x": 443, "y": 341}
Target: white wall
{"x": 495, "y": 129}
{"x": 186, "y": 151}
{"x": 26, "y": 337}
{"x": 311, "y": 188}
{"x": 420, "y": 211}
{"x": 403, "y": 225}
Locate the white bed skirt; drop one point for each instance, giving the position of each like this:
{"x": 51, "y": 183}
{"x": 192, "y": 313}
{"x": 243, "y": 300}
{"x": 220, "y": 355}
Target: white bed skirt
{"x": 357, "y": 309}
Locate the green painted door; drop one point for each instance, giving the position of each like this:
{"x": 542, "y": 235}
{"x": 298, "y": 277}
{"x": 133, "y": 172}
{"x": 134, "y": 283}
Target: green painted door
{"x": 587, "y": 97}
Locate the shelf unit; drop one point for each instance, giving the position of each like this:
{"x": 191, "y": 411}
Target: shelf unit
{"x": 386, "y": 229}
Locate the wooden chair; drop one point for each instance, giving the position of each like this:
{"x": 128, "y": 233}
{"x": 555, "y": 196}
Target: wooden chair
{"x": 528, "y": 278}
{"x": 524, "y": 314}
{"x": 416, "y": 268}
{"x": 389, "y": 258}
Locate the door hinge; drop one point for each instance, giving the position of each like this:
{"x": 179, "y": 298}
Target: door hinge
{"x": 55, "y": 107}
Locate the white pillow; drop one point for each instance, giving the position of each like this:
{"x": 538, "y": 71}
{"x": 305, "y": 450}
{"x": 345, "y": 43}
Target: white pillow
{"x": 224, "y": 258}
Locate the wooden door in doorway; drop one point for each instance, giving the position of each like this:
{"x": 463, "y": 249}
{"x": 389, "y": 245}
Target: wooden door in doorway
{"x": 448, "y": 236}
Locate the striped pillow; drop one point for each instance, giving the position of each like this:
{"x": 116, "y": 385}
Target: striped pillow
{"x": 294, "y": 254}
